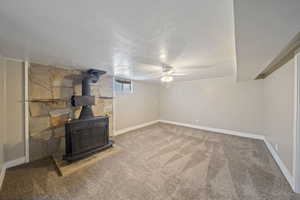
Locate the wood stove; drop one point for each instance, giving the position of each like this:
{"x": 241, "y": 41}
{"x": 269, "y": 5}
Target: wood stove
{"x": 88, "y": 134}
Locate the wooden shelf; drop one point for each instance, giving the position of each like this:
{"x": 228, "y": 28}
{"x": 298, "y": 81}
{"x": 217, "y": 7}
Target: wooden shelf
{"x": 105, "y": 97}
{"x": 46, "y": 100}
{"x": 59, "y": 100}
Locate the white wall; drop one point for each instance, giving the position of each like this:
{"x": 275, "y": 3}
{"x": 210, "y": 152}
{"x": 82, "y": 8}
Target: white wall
{"x": 279, "y": 111}
{"x": 264, "y": 107}
{"x": 216, "y": 103}
{"x": 13, "y": 111}
{"x": 141, "y": 106}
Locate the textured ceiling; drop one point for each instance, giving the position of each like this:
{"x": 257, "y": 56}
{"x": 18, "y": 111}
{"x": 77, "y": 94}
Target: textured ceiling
{"x": 262, "y": 30}
{"x": 130, "y": 38}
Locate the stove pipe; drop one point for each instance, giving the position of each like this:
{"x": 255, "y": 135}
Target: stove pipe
{"x": 91, "y": 76}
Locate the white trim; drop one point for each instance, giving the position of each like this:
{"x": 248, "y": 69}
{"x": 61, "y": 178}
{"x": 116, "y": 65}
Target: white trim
{"x": 4, "y": 106}
{"x": 2, "y": 175}
{"x": 295, "y": 126}
{"x": 26, "y": 110}
{"x": 236, "y": 79}
{"x": 125, "y": 130}
{"x": 15, "y": 162}
{"x": 13, "y": 59}
{"x": 3, "y": 82}
{"x": 296, "y": 122}
{"x": 280, "y": 164}
{"x": 114, "y": 108}
{"x": 217, "y": 130}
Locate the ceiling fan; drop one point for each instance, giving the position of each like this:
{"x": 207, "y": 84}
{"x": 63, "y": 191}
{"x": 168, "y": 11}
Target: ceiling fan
{"x": 166, "y": 74}
{"x": 154, "y": 70}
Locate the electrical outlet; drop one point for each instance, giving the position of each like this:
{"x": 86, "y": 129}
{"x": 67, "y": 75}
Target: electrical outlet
{"x": 197, "y": 121}
{"x": 276, "y": 147}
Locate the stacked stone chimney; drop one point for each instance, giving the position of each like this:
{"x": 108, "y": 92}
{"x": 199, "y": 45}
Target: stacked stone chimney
{"x": 50, "y": 92}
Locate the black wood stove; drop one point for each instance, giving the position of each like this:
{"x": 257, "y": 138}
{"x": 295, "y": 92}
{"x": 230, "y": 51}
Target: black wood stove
{"x": 88, "y": 134}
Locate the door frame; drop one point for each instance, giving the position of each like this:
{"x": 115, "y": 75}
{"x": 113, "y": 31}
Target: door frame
{"x": 26, "y": 110}
{"x": 296, "y": 138}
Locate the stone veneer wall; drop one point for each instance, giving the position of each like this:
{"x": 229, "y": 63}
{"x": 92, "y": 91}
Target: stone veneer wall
{"x": 50, "y": 90}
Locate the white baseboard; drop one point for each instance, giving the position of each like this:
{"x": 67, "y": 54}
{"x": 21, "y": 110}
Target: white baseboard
{"x": 217, "y": 130}
{"x": 15, "y": 162}
{"x": 281, "y": 165}
{"x": 2, "y": 174}
{"x": 10, "y": 164}
{"x": 122, "y": 131}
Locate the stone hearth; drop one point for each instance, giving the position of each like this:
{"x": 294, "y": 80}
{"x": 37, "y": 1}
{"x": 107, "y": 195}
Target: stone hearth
{"x": 65, "y": 168}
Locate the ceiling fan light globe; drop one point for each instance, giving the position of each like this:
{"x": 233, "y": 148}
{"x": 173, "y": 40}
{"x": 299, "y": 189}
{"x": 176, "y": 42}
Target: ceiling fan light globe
{"x": 166, "y": 79}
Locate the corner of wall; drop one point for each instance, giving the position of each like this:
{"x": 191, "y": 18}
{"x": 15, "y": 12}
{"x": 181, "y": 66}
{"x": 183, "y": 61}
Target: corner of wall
{"x": 2, "y": 175}
{"x": 289, "y": 177}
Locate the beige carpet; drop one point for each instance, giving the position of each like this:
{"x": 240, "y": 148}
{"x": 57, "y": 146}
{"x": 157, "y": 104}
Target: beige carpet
{"x": 160, "y": 162}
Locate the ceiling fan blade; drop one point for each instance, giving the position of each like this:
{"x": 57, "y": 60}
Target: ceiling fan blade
{"x": 147, "y": 61}
{"x": 191, "y": 68}
{"x": 179, "y": 74}
{"x": 200, "y": 67}
{"x": 149, "y": 76}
